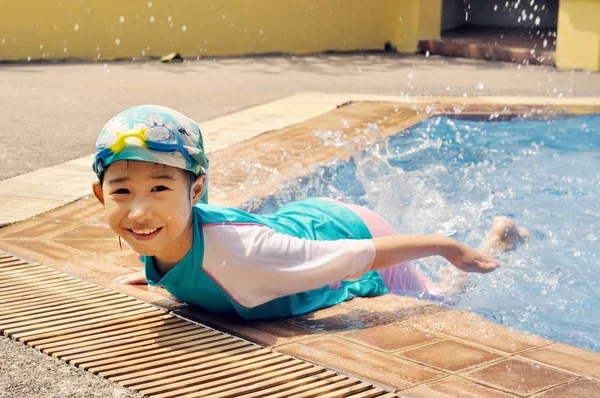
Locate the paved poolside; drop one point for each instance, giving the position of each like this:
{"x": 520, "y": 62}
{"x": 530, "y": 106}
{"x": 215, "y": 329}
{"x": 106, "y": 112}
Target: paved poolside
{"x": 426, "y": 350}
{"x": 59, "y": 107}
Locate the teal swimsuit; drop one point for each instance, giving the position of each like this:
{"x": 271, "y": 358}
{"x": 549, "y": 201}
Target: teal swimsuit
{"x": 311, "y": 219}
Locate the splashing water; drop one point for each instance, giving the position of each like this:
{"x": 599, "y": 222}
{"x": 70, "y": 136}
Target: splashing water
{"x": 452, "y": 177}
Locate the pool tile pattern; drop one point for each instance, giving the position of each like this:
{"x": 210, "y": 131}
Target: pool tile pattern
{"x": 402, "y": 344}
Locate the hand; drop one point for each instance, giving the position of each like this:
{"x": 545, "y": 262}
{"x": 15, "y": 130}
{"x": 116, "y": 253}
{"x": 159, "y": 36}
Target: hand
{"x": 139, "y": 278}
{"x": 471, "y": 260}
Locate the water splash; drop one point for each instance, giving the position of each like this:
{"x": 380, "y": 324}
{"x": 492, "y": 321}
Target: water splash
{"x": 452, "y": 177}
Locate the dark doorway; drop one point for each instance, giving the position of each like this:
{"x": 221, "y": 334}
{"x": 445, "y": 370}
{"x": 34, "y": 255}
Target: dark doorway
{"x": 522, "y": 31}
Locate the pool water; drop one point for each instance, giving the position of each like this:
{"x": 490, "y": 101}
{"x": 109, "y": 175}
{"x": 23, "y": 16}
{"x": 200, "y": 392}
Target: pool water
{"x": 453, "y": 176}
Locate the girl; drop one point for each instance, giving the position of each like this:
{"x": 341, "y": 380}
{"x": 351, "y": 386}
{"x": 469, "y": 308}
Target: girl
{"x": 311, "y": 254}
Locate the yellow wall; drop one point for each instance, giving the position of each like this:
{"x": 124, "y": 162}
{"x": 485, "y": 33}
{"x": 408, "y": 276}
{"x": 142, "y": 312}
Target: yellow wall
{"x": 416, "y": 19}
{"x": 111, "y": 29}
{"x": 578, "y": 35}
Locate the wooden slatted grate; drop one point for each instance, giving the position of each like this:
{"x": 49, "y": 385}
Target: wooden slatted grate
{"x": 148, "y": 349}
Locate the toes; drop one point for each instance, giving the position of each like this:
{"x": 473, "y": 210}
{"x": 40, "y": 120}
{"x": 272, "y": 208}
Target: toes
{"x": 523, "y": 234}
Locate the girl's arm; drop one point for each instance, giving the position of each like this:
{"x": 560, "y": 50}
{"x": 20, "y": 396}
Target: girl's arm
{"x": 391, "y": 250}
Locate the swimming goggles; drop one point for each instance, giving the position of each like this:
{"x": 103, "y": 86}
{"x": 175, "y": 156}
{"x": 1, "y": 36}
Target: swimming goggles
{"x": 155, "y": 138}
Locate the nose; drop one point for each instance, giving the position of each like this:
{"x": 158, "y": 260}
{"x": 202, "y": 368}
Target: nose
{"x": 140, "y": 211}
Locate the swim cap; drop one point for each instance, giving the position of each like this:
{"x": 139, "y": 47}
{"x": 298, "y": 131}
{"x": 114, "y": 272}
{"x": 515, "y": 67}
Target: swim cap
{"x": 152, "y": 133}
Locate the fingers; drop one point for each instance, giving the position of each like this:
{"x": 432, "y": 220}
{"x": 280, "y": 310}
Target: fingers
{"x": 489, "y": 266}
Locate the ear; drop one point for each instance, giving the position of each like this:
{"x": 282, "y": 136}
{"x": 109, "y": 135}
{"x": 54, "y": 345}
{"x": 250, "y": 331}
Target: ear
{"x": 98, "y": 192}
{"x": 197, "y": 189}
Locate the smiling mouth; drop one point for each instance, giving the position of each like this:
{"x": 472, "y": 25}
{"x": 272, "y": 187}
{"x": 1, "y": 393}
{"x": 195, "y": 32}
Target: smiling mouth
{"x": 144, "y": 234}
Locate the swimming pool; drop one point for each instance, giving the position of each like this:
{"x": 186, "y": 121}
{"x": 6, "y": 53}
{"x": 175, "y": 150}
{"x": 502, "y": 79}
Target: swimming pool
{"x": 453, "y": 176}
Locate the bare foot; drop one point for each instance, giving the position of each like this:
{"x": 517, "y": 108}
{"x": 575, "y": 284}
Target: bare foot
{"x": 504, "y": 235}
{"x": 139, "y": 278}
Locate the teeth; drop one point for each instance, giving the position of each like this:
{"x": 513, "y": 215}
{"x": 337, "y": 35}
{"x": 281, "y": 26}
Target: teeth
{"x": 144, "y": 231}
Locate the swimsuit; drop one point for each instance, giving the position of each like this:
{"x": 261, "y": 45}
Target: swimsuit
{"x": 309, "y": 255}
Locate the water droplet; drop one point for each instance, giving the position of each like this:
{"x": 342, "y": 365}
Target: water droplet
{"x": 545, "y": 43}
{"x": 117, "y": 41}
{"x": 121, "y": 19}
{"x": 149, "y": 4}
{"x": 184, "y": 28}
{"x": 41, "y": 46}
{"x": 3, "y": 40}
{"x": 28, "y": 59}
{"x": 410, "y": 76}
{"x": 65, "y": 50}
{"x": 427, "y": 53}
{"x": 76, "y": 27}
{"x": 169, "y": 19}
{"x": 152, "y": 19}
{"x": 496, "y": 7}
{"x": 479, "y": 86}
{"x": 538, "y": 20}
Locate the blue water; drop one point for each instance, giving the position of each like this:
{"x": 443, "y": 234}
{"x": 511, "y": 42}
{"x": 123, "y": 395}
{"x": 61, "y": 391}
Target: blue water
{"x": 452, "y": 177}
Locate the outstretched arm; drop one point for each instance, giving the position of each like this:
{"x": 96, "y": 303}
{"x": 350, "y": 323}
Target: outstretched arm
{"x": 395, "y": 249}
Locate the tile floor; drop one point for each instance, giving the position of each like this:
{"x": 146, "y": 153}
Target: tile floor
{"x": 403, "y": 344}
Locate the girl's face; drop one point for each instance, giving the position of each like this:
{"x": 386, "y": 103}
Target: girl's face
{"x": 150, "y": 206}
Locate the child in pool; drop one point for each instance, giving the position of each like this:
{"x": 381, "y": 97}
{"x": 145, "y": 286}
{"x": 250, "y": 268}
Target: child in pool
{"x": 311, "y": 254}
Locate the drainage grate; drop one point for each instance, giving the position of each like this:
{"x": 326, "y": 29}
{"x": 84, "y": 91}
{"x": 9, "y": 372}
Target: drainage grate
{"x": 147, "y": 349}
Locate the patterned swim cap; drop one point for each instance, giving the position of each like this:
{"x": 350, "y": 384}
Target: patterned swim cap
{"x": 152, "y": 133}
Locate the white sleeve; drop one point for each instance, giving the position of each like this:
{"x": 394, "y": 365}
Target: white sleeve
{"x": 253, "y": 264}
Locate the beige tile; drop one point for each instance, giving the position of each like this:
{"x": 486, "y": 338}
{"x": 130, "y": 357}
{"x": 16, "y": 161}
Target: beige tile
{"x": 361, "y": 361}
{"x": 268, "y": 333}
{"x": 578, "y": 389}
{"x": 471, "y": 327}
{"x": 583, "y": 362}
{"x": 153, "y": 295}
{"x": 34, "y": 228}
{"x": 454, "y": 387}
{"x": 449, "y": 355}
{"x": 87, "y": 231}
{"x": 363, "y": 313}
{"x": 389, "y": 337}
{"x": 519, "y": 377}
{"x": 87, "y": 267}
{"x": 41, "y": 251}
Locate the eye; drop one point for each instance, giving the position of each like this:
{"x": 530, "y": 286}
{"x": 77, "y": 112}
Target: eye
{"x": 160, "y": 188}
{"x": 121, "y": 191}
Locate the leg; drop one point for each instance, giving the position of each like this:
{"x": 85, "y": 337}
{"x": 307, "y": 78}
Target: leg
{"x": 504, "y": 235}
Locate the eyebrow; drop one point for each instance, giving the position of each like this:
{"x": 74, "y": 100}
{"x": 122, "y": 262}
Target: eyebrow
{"x": 117, "y": 180}
{"x": 164, "y": 177}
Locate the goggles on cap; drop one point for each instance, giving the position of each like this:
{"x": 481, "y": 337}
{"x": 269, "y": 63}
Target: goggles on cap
{"x": 155, "y": 138}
